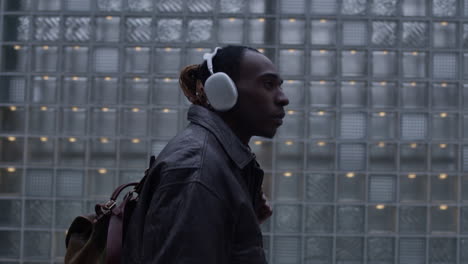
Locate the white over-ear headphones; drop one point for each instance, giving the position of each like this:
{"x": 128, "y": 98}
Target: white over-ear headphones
{"x": 220, "y": 89}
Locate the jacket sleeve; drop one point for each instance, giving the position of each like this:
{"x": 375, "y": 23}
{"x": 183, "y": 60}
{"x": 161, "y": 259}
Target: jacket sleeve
{"x": 186, "y": 223}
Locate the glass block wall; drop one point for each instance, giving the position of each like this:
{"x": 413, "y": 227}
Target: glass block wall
{"x": 370, "y": 166}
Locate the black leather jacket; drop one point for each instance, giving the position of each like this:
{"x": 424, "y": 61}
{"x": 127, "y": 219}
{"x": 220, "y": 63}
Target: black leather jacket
{"x": 202, "y": 209}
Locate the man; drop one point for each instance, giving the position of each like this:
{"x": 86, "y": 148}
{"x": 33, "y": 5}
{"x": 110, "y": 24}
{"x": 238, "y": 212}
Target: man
{"x": 203, "y": 201}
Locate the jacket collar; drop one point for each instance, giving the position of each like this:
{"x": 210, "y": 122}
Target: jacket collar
{"x": 236, "y": 150}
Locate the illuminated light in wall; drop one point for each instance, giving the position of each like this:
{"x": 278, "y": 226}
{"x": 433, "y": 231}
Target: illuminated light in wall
{"x": 443, "y": 115}
{"x": 167, "y": 79}
{"x": 413, "y": 145}
{"x": 45, "y": 77}
{"x": 261, "y": 50}
{"x": 166, "y": 110}
{"x": 232, "y": 19}
{"x": 11, "y": 169}
{"x": 136, "y": 79}
{"x": 290, "y": 81}
{"x": 415, "y": 53}
{"x": 43, "y": 139}
{"x": 287, "y": 174}
{"x": 258, "y": 142}
{"x": 16, "y": 47}
{"x": 43, "y": 108}
{"x": 135, "y": 110}
{"x": 199, "y": 49}
{"x": 288, "y": 142}
{"x": 75, "y": 78}
{"x": 321, "y": 113}
{"x": 350, "y": 174}
{"x": 382, "y": 114}
{"x": 380, "y": 207}
{"x": 323, "y": 21}
{"x": 137, "y": 48}
{"x": 292, "y": 20}
{"x": 74, "y": 109}
{"x": 261, "y": 20}
{"x": 352, "y": 82}
{"x": 136, "y": 140}
{"x": 13, "y": 108}
{"x": 322, "y": 82}
{"x": 72, "y": 139}
{"x": 442, "y": 146}
{"x": 102, "y": 171}
{"x": 109, "y": 17}
{"x": 291, "y": 112}
{"x": 381, "y": 144}
{"x": 412, "y": 176}
{"x": 321, "y": 143}
{"x": 443, "y": 84}
{"x": 104, "y": 140}
{"x": 443, "y": 176}
{"x": 413, "y": 83}
{"x": 385, "y": 52}
{"x": 167, "y": 49}
{"x": 322, "y": 51}
{"x": 291, "y": 50}
{"x": 443, "y": 207}
{"x": 45, "y": 47}
{"x": 352, "y": 52}
{"x": 383, "y": 83}
{"x": 105, "y": 109}
{"x": 11, "y": 139}
{"x": 107, "y": 78}
{"x": 444, "y": 23}
{"x": 76, "y": 47}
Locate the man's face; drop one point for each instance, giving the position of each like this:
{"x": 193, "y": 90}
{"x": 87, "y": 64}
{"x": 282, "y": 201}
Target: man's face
{"x": 260, "y": 107}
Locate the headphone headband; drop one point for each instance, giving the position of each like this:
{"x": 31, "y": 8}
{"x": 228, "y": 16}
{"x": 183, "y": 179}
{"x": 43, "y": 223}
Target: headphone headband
{"x": 209, "y": 59}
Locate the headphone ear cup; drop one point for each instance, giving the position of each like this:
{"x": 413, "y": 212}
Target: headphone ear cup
{"x": 221, "y": 91}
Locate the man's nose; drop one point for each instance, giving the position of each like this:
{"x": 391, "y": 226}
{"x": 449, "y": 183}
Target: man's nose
{"x": 282, "y": 99}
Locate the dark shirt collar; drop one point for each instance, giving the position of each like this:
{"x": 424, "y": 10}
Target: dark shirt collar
{"x": 236, "y": 150}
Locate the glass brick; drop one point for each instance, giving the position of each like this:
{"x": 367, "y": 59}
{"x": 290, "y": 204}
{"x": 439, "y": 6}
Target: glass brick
{"x": 445, "y": 126}
{"x": 414, "y": 64}
{"x": 320, "y": 187}
{"x": 200, "y": 6}
{"x": 322, "y": 124}
{"x": 382, "y": 157}
{"x": 12, "y": 120}
{"x": 384, "y": 64}
{"x": 230, "y": 30}
{"x": 15, "y": 5}
{"x": 14, "y": 58}
{"x": 292, "y": 7}
{"x": 262, "y": 31}
{"x": 71, "y": 152}
{"x": 383, "y": 125}
{"x": 11, "y": 150}
{"x": 166, "y": 92}
{"x": 412, "y": 219}
{"x": 355, "y": 33}
{"x": 106, "y": 60}
{"x": 258, "y": 6}
{"x": 353, "y": 7}
{"x": 66, "y": 211}
{"x": 381, "y": 220}
{"x": 78, "y": 29}
{"x": 464, "y": 188}
{"x": 349, "y": 250}
{"x": 69, "y": 183}
{"x": 294, "y": 90}
{"x": 413, "y": 157}
{"x": 42, "y": 120}
{"x": 11, "y": 216}
{"x": 465, "y": 35}
{"x": 288, "y": 218}
{"x": 126, "y": 176}
{"x": 384, "y": 33}
{"x": 37, "y": 245}
{"x": 74, "y": 90}
{"x": 444, "y": 8}
{"x": 353, "y": 125}
{"x": 463, "y": 220}
{"x": 443, "y": 219}
{"x": 444, "y": 188}
{"x": 103, "y": 121}
{"x": 73, "y": 121}
{"x": 382, "y": 188}
{"x": 412, "y": 251}
{"x": 232, "y": 6}
{"x": 169, "y": 6}
{"x": 444, "y": 35}
{"x": 10, "y": 242}
{"x": 12, "y": 182}
{"x": 384, "y": 7}
{"x": 105, "y": 90}
{"x": 138, "y": 29}
{"x": 47, "y": 28}
{"x": 414, "y": 7}
{"x": 168, "y": 30}
{"x": 380, "y": 250}
{"x": 167, "y": 60}
{"x": 353, "y": 94}
{"x": 445, "y": 95}
{"x": 444, "y": 157}
{"x": 321, "y": 156}
{"x": 383, "y": 95}
{"x": 107, "y": 29}
{"x": 44, "y": 90}
{"x": 287, "y": 249}
{"x": 264, "y": 153}
{"x": 16, "y": 28}
{"x": 103, "y": 152}
{"x": 413, "y": 126}
{"x": 354, "y": 63}
{"x": 168, "y": 117}
{"x": 76, "y": 59}
{"x": 133, "y": 153}
{"x": 45, "y": 58}
{"x": 109, "y": 5}
{"x": 77, "y": 5}
{"x": 293, "y": 125}
{"x": 323, "y": 94}
{"x": 100, "y": 183}
{"x": 415, "y": 34}
{"x": 289, "y": 155}
{"x": 351, "y": 187}
{"x": 14, "y": 89}
{"x": 38, "y": 213}
{"x": 140, "y": 5}
{"x": 322, "y": 63}
{"x": 442, "y": 250}
{"x": 352, "y": 157}
{"x": 137, "y": 59}
{"x": 39, "y": 182}
{"x": 40, "y": 151}
{"x": 136, "y": 91}
{"x": 292, "y": 31}
{"x": 291, "y": 62}
{"x": 350, "y": 219}
{"x": 465, "y": 65}
{"x": 134, "y": 123}
{"x": 200, "y": 30}
{"x": 414, "y": 95}
{"x": 319, "y": 219}
{"x": 324, "y": 7}
{"x": 465, "y": 158}
{"x": 445, "y": 66}
{"x": 323, "y": 32}
{"x": 319, "y": 250}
